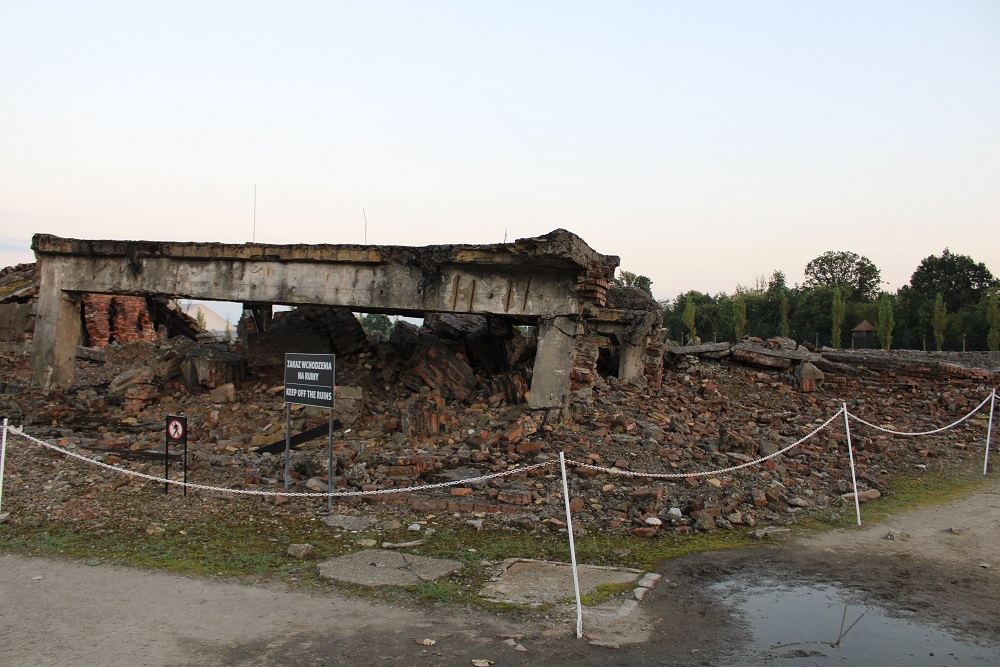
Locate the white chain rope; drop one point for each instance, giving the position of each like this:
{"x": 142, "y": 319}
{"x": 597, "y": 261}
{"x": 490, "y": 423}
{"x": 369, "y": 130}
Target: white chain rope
{"x": 505, "y": 473}
{"x": 723, "y": 471}
{"x": 931, "y": 432}
{"x": 291, "y": 494}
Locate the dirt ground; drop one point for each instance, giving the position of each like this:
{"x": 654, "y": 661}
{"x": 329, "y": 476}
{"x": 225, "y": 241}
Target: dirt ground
{"x": 66, "y": 613}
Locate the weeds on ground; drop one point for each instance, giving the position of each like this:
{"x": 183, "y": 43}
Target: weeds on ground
{"x": 906, "y": 491}
{"x": 233, "y": 543}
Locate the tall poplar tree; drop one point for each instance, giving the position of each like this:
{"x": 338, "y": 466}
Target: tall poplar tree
{"x": 939, "y": 320}
{"x": 839, "y": 311}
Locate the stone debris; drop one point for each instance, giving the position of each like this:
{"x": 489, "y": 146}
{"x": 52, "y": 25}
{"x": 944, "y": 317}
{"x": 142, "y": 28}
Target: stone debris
{"x": 403, "y": 545}
{"x": 422, "y": 407}
{"x": 515, "y": 645}
{"x": 300, "y": 550}
{"x": 769, "y": 531}
{"x": 352, "y": 523}
{"x": 863, "y": 496}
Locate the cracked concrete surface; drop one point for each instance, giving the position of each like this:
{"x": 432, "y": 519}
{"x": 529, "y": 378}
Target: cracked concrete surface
{"x": 374, "y": 567}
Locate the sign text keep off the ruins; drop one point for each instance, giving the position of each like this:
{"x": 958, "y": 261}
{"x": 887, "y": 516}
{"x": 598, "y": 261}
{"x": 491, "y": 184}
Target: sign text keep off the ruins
{"x": 309, "y": 379}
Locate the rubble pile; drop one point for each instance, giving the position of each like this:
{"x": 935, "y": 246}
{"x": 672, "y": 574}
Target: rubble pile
{"x": 445, "y": 402}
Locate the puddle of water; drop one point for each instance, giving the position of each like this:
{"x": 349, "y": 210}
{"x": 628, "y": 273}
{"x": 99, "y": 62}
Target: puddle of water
{"x": 797, "y": 625}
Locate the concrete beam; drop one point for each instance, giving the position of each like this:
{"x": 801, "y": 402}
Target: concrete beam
{"x": 534, "y": 277}
{"x": 553, "y": 363}
{"x": 513, "y": 291}
{"x": 58, "y": 331}
{"x": 631, "y": 360}
{"x": 553, "y": 277}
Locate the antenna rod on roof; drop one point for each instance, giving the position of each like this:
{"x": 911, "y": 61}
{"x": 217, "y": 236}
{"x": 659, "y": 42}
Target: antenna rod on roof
{"x": 253, "y": 239}
{"x": 366, "y": 225}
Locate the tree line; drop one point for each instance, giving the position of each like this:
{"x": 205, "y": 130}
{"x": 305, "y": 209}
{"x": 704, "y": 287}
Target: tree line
{"x": 950, "y": 303}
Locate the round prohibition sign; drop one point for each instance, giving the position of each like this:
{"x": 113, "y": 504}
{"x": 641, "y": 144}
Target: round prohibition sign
{"x": 175, "y": 429}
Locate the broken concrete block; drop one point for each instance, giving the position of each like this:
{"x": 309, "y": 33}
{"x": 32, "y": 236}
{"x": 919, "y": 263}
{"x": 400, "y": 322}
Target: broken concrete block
{"x": 135, "y": 376}
{"x": 212, "y": 366}
{"x": 442, "y": 370}
{"x": 808, "y": 377}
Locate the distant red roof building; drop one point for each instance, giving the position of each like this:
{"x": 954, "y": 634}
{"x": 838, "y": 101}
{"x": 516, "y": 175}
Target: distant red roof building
{"x": 863, "y": 336}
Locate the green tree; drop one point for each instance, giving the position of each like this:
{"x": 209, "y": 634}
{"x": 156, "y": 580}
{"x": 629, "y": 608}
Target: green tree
{"x": 785, "y": 307}
{"x": 993, "y": 318}
{"x": 377, "y": 323}
{"x": 739, "y": 315}
{"x": 939, "y": 320}
{"x": 885, "y": 321}
{"x": 839, "y": 310}
{"x": 855, "y": 274}
{"x": 688, "y": 318}
{"x": 629, "y": 279}
{"x": 958, "y": 278}
{"x": 199, "y": 319}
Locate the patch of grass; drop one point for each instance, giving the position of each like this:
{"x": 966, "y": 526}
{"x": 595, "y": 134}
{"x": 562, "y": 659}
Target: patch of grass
{"x": 437, "y": 591}
{"x": 220, "y": 544}
{"x": 907, "y": 491}
{"x": 235, "y": 542}
{"x": 601, "y": 593}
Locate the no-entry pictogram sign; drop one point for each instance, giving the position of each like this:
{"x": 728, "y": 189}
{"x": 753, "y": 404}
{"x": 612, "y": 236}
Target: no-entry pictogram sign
{"x": 176, "y": 429}
{"x": 177, "y": 434}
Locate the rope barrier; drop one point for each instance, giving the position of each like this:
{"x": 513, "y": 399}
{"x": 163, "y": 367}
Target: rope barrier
{"x": 514, "y": 471}
{"x": 989, "y": 432}
{"x": 931, "y": 432}
{"x": 291, "y": 494}
{"x": 706, "y": 473}
{"x": 572, "y": 547}
{"x": 578, "y": 464}
{"x": 3, "y": 458}
{"x": 850, "y": 453}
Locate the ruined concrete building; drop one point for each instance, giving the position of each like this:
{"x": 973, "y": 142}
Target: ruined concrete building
{"x": 555, "y": 283}
{"x": 106, "y": 318}
{"x": 18, "y": 288}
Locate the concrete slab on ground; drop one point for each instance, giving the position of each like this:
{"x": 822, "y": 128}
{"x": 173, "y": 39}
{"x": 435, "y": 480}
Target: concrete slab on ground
{"x": 536, "y": 582}
{"x": 374, "y": 567}
{"x": 346, "y": 522}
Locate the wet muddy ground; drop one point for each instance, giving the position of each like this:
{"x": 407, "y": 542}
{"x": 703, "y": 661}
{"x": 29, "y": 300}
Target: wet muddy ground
{"x": 717, "y": 608}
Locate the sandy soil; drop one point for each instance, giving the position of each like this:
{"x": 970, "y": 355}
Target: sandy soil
{"x": 68, "y": 613}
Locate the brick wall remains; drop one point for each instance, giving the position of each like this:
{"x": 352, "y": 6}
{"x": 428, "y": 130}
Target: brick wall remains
{"x": 116, "y": 319}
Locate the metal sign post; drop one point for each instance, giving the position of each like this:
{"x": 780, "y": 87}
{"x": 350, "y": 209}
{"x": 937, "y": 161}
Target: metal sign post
{"x": 176, "y": 434}
{"x": 310, "y": 380}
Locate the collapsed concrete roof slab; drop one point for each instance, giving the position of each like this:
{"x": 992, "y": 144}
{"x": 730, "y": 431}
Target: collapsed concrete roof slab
{"x": 556, "y": 281}
{"x": 534, "y": 277}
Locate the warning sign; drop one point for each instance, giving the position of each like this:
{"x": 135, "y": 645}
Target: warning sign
{"x": 309, "y": 379}
{"x": 176, "y": 429}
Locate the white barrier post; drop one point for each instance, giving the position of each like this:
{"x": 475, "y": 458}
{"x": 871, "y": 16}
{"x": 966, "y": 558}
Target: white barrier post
{"x": 3, "y": 458}
{"x": 989, "y": 433}
{"x": 850, "y": 453}
{"x": 572, "y": 548}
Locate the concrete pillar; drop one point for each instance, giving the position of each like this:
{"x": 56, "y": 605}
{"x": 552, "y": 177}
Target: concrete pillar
{"x": 553, "y": 362}
{"x": 631, "y": 360}
{"x": 58, "y": 332}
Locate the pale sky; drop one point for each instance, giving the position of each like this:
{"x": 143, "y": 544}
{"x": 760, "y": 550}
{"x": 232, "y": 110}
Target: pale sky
{"x": 705, "y": 143}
